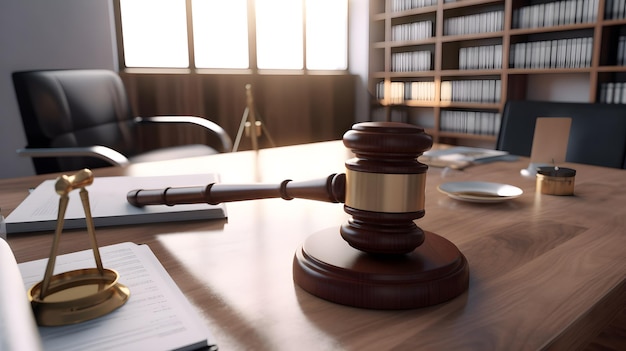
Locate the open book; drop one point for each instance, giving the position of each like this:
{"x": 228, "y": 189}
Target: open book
{"x": 157, "y": 315}
{"x": 107, "y": 198}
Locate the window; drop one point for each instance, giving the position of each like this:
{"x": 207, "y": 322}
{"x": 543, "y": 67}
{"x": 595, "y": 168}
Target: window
{"x": 154, "y": 33}
{"x": 220, "y": 33}
{"x": 234, "y": 34}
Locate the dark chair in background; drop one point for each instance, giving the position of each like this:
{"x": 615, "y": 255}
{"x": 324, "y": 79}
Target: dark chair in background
{"x": 597, "y": 134}
{"x": 76, "y": 119}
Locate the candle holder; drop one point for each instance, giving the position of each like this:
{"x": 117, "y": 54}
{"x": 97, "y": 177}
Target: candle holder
{"x": 79, "y": 295}
{"x": 556, "y": 180}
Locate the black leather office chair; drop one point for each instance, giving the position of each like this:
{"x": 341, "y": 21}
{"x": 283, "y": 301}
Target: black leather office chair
{"x": 597, "y": 134}
{"x": 82, "y": 118}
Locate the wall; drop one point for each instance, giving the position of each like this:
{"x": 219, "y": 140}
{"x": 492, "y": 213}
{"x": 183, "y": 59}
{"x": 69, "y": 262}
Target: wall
{"x": 37, "y": 34}
{"x": 294, "y": 109}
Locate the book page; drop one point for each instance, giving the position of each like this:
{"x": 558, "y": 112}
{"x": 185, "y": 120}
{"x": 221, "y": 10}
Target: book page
{"x": 107, "y": 198}
{"x": 157, "y": 315}
{"x": 18, "y": 330}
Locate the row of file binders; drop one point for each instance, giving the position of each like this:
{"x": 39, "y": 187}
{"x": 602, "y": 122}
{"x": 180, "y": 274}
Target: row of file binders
{"x": 405, "y": 91}
{"x": 480, "y": 57}
{"x": 613, "y": 93}
{"x": 473, "y": 90}
{"x": 477, "y": 23}
{"x": 556, "y": 13}
{"x": 404, "y": 5}
{"x": 411, "y": 61}
{"x": 478, "y": 91}
{"x": 470, "y": 122}
{"x": 412, "y": 31}
{"x": 560, "y": 53}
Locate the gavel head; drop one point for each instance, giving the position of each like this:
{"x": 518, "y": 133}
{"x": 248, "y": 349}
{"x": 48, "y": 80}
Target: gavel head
{"x": 385, "y": 186}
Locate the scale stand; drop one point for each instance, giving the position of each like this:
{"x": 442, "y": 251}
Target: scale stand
{"x": 248, "y": 121}
{"x": 83, "y": 294}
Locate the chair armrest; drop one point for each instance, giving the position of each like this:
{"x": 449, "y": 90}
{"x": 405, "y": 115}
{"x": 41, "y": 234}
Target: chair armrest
{"x": 225, "y": 140}
{"x": 101, "y": 152}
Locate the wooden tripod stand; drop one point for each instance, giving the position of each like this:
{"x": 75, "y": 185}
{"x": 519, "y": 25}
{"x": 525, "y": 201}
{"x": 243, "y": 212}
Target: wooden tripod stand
{"x": 250, "y": 124}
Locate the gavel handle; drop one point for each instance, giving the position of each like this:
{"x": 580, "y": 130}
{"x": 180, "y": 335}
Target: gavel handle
{"x": 329, "y": 189}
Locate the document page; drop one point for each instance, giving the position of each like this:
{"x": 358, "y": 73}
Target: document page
{"x": 18, "y": 330}
{"x": 157, "y": 315}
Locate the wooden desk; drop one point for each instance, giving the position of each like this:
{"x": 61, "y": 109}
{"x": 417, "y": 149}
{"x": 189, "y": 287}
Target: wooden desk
{"x": 545, "y": 271}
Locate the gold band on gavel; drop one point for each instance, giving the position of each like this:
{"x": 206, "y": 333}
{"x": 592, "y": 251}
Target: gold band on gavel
{"x": 380, "y": 192}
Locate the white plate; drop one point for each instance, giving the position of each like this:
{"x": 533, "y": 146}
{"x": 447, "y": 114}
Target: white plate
{"x": 480, "y": 191}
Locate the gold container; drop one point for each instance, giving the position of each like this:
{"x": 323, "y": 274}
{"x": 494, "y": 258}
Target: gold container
{"x": 555, "y": 180}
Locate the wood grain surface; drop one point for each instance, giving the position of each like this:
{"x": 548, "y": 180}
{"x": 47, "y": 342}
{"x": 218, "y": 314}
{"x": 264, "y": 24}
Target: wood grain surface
{"x": 546, "y": 272}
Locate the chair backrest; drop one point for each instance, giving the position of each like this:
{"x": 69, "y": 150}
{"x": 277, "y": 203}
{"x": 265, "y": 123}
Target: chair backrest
{"x": 70, "y": 108}
{"x": 597, "y": 134}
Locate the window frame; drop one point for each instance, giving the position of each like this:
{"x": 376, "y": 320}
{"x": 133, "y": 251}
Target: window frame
{"x": 252, "y": 49}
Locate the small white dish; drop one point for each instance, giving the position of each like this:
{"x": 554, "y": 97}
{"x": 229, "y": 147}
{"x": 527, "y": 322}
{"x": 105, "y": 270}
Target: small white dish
{"x": 480, "y": 191}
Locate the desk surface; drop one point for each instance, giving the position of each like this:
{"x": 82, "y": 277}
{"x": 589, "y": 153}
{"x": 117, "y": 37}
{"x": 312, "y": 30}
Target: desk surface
{"x": 545, "y": 271}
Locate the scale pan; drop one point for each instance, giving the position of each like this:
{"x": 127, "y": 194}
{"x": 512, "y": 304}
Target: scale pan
{"x": 77, "y": 296}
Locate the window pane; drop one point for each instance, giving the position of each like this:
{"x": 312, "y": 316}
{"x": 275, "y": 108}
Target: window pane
{"x": 155, "y": 33}
{"x": 220, "y": 33}
{"x": 279, "y": 34}
{"x": 327, "y": 34}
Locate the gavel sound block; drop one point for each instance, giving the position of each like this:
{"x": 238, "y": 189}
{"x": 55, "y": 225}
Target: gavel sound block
{"x": 380, "y": 259}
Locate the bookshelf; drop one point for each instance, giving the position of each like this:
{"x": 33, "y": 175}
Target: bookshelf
{"x": 450, "y": 66}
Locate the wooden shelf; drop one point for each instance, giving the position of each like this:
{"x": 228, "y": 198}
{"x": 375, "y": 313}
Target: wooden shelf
{"x": 465, "y": 37}
{"x": 399, "y": 43}
{"x": 465, "y": 136}
{"x": 601, "y": 65}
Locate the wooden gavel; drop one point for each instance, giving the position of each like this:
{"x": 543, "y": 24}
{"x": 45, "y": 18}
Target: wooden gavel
{"x": 330, "y": 189}
{"x": 382, "y": 189}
